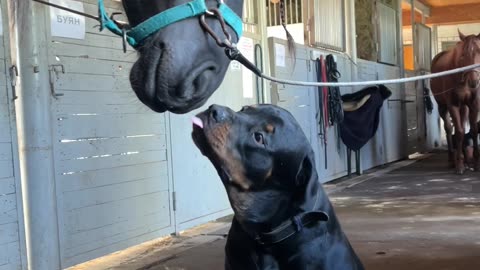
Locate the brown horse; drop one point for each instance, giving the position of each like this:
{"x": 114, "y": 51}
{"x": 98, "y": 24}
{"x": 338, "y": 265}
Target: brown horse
{"x": 457, "y": 96}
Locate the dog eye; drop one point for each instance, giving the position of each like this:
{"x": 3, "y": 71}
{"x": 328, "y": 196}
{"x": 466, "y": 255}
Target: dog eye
{"x": 259, "y": 138}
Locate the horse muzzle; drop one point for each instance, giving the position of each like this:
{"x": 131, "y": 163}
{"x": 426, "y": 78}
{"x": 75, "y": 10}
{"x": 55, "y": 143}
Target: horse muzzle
{"x": 167, "y": 82}
{"x": 472, "y": 79}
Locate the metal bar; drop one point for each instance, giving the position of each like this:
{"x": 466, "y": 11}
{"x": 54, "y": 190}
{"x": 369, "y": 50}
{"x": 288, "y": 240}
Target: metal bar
{"x": 297, "y": 6}
{"x": 275, "y": 14}
{"x": 288, "y": 15}
{"x": 68, "y": 9}
{"x": 269, "y": 13}
{"x": 414, "y": 29}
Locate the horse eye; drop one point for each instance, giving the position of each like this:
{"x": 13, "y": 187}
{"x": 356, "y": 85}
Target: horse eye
{"x": 259, "y": 138}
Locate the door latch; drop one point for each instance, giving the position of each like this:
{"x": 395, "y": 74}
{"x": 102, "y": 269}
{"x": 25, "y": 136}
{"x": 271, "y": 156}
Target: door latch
{"x": 54, "y": 70}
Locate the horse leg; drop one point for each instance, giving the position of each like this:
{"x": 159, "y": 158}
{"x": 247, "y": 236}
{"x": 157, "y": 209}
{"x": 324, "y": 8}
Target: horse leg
{"x": 465, "y": 111}
{"x": 447, "y": 126}
{"x": 458, "y": 122}
{"x": 473, "y": 117}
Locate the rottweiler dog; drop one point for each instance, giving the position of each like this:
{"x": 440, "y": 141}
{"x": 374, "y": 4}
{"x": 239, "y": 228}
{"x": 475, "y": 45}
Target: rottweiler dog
{"x": 283, "y": 218}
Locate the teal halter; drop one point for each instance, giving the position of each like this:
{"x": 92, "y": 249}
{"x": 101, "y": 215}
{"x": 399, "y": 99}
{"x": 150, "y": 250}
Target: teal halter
{"x": 194, "y": 8}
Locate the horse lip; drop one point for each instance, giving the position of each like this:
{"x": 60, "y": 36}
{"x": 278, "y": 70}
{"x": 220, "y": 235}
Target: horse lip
{"x": 182, "y": 109}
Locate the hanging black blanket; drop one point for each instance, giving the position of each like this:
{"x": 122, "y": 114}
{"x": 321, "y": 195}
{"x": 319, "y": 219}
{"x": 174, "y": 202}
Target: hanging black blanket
{"x": 359, "y": 126}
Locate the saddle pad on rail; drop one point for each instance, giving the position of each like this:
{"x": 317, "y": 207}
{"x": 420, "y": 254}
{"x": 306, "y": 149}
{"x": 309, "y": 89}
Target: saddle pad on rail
{"x": 362, "y": 115}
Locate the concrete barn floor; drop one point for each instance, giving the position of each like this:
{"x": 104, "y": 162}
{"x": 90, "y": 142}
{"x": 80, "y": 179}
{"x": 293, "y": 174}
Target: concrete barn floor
{"x": 408, "y": 215}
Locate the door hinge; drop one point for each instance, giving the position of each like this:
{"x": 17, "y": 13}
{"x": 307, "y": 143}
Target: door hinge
{"x": 174, "y": 199}
{"x": 13, "y": 81}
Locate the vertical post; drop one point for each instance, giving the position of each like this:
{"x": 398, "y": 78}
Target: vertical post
{"x": 351, "y": 31}
{"x": 401, "y": 64}
{"x": 414, "y": 37}
{"x": 262, "y": 27}
{"x": 351, "y": 37}
{"x": 435, "y": 48}
{"x": 35, "y": 137}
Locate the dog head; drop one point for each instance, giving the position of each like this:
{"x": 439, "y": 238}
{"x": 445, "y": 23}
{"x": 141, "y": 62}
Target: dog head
{"x": 263, "y": 158}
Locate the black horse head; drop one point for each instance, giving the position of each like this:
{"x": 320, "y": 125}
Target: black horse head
{"x": 180, "y": 66}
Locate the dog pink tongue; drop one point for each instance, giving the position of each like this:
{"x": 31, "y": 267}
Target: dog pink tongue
{"x": 197, "y": 122}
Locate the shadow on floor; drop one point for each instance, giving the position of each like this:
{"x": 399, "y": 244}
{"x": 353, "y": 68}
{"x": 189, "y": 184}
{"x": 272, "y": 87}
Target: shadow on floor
{"x": 421, "y": 216}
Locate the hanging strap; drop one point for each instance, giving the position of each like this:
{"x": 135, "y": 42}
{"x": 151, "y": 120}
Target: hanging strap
{"x": 323, "y": 103}
{"x": 335, "y": 98}
{"x": 325, "y": 94}
{"x": 320, "y": 115}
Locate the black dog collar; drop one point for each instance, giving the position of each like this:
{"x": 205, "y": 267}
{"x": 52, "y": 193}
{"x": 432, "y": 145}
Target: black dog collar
{"x": 290, "y": 227}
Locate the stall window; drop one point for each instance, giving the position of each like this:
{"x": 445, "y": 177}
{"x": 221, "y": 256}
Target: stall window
{"x": 293, "y": 12}
{"x": 387, "y": 32}
{"x": 250, "y": 12}
{"x": 326, "y": 27}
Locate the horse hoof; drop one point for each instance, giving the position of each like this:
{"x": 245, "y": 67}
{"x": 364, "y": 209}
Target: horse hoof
{"x": 460, "y": 171}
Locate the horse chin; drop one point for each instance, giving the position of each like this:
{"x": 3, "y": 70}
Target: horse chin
{"x": 473, "y": 84}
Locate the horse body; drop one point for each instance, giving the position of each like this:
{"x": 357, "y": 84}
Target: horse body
{"x": 457, "y": 96}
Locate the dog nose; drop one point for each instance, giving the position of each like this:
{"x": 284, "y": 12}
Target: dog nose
{"x": 218, "y": 113}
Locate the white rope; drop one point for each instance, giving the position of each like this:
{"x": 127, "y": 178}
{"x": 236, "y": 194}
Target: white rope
{"x": 370, "y": 83}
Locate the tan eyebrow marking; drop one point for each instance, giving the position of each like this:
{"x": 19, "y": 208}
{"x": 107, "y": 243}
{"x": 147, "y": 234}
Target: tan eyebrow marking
{"x": 270, "y": 128}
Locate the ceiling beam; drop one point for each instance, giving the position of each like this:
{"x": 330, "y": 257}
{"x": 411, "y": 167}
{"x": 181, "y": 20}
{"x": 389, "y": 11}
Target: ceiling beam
{"x": 420, "y": 7}
{"x": 407, "y": 17}
{"x": 455, "y": 14}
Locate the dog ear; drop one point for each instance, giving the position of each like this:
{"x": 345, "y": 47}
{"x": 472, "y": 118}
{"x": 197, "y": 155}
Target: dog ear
{"x": 306, "y": 183}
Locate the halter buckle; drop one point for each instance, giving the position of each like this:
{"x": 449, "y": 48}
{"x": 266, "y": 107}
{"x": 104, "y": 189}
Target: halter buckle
{"x": 120, "y": 24}
{"x": 214, "y": 12}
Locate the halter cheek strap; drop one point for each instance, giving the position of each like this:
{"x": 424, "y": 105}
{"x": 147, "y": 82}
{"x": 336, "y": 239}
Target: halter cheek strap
{"x": 139, "y": 33}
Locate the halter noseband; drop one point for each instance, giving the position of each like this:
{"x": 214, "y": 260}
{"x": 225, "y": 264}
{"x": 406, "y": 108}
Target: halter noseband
{"x": 195, "y": 8}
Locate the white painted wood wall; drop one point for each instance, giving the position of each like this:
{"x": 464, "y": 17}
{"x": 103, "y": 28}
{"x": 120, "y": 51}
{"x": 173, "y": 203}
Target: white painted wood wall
{"x": 388, "y": 143}
{"x": 111, "y": 165}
